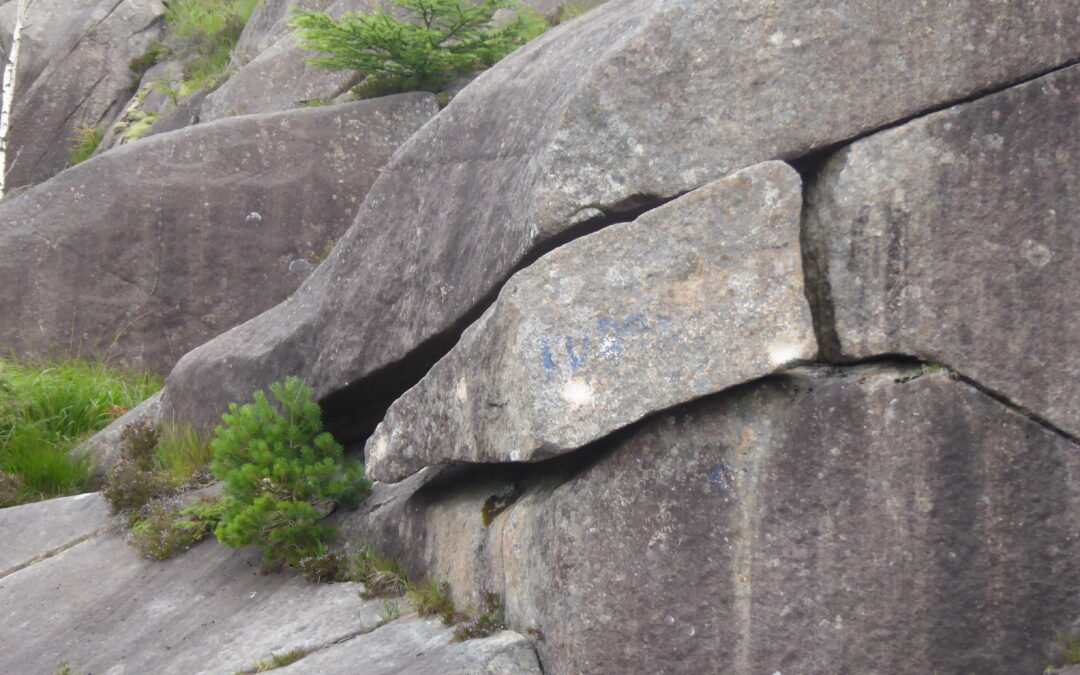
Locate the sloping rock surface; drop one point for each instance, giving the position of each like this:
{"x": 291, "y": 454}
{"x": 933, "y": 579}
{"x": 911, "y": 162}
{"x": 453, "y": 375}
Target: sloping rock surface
{"x": 637, "y": 100}
{"x": 155, "y": 247}
{"x": 695, "y": 296}
{"x": 954, "y": 238}
{"x": 73, "y": 70}
{"x": 419, "y": 646}
{"x": 102, "y": 609}
{"x": 33, "y": 532}
{"x": 867, "y": 519}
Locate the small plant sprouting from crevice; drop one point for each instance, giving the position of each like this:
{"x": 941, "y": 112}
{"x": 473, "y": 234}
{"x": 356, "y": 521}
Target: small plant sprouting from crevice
{"x": 432, "y": 598}
{"x": 486, "y": 620}
{"x": 84, "y": 142}
{"x": 163, "y": 533}
{"x": 382, "y": 577}
{"x": 276, "y": 661}
{"x": 1067, "y": 645}
{"x": 497, "y": 503}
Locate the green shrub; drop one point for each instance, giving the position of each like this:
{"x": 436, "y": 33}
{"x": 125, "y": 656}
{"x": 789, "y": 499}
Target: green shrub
{"x": 433, "y": 599}
{"x": 85, "y": 141}
{"x": 437, "y": 41}
{"x": 47, "y": 408}
{"x": 281, "y": 475}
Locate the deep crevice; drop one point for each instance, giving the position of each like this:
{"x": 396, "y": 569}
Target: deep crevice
{"x": 815, "y": 154}
{"x": 352, "y": 413}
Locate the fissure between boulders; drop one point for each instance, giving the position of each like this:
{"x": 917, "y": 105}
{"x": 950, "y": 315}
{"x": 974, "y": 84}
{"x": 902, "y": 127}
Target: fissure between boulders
{"x": 351, "y": 414}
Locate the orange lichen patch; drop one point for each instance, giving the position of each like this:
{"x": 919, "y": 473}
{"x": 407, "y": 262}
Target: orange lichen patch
{"x": 115, "y": 411}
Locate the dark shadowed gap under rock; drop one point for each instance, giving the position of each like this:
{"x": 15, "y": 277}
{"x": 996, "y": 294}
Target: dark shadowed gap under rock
{"x": 351, "y": 414}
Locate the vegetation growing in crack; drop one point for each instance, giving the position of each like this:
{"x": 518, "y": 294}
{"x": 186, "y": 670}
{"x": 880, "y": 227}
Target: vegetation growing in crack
{"x": 200, "y": 35}
{"x": 282, "y": 475}
{"x": 434, "y": 42}
{"x": 84, "y": 142}
{"x": 47, "y": 407}
{"x": 1067, "y": 645}
{"x": 155, "y": 467}
{"x": 276, "y": 661}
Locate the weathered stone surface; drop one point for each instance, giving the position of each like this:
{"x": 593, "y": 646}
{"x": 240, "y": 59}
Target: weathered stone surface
{"x": 636, "y": 100}
{"x": 419, "y": 646}
{"x": 269, "y": 22}
{"x": 693, "y": 297}
{"x": 36, "y": 531}
{"x": 102, "y": 609}
{"x": 954, "y": 238}
{"x": 73, "y": 70}
{"x": 154, "y": 247}
{"x": 279, "y": 77}
{"x": 866, "y": 519}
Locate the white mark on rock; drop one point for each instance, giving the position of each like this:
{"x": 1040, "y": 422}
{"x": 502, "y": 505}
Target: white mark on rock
{"x": 1035, "y": 253}
{"x": 253, "y": 216}
{"x": 300, "y": 266}
{"x": 577, "y": 393}
{"x": 462, "y": 390}
{"x": 783, "y": 353}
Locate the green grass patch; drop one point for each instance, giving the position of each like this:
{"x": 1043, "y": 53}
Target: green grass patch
{"x": 47, "y": 407}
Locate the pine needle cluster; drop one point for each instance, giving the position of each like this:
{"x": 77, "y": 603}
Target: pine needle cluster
{"x": 282, "y": 475}
{"x": 432, "y": 42}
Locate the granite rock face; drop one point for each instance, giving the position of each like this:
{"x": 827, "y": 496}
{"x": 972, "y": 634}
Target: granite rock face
{"x": 695, "y": 296}
{"x": 636, "y": 101}
{"x": 827, "y": 520}
{"x": 954, "y": 239}
{"x": 73, "y": 70}
{"x": 152, "y": 248}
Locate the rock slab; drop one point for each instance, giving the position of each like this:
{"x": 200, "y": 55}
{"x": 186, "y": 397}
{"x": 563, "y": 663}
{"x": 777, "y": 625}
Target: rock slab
{"x": 634, "y": 102}
{"x": 864, "y": 519}
{"x": 954, "y": 238}
{"x": 693, "y": 297}
{"x": 418, "y": 646}
{"x": 152, "y": 248}
{"x": 37, "y": 531}
{"x": 102, "y": 609}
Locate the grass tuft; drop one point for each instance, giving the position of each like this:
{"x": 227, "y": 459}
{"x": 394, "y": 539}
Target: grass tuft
{"x": 47, "y": 407}
{"x": 85, "y": 141}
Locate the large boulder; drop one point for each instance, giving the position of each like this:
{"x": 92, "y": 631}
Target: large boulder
{"x": 73, "y": 71}
{"x": 876, "y": 518}
{"x": 635, "y": 102}
{"x": 152, "y": 248}
{"x": 696, "y": 296}
{"x": 954, "y": 238}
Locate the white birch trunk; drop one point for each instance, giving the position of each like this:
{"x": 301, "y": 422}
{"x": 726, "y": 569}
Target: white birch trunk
{"x": 7, "y": 99}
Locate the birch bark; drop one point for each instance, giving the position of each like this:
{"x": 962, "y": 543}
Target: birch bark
{"x": 7, "y": 98}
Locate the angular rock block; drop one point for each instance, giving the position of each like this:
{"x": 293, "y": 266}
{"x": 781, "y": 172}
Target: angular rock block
{"x": 152, "y": 248}
{"x": 73, "y": 70}
{"x": 954, "y": 238}
{"x": 634, "y": 102}
{"x": 691, "y": 298}
{"x": 861, "y": 519}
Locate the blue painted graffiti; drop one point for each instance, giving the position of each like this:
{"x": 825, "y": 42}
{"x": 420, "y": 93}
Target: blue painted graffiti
{"x": 606, "y": 341}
